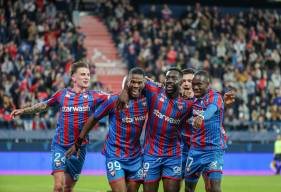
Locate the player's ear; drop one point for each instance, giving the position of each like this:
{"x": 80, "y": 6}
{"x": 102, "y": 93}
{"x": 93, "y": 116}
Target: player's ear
{"x": 73, "y": 78}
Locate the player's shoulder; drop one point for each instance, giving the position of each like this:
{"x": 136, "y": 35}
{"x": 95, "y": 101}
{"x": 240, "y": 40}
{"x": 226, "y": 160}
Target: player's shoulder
{"x": 61, "y": 92}
{"x": 213, "y": 92}
{"x": 153, "y": 86}
{"x": 98, "y": 93}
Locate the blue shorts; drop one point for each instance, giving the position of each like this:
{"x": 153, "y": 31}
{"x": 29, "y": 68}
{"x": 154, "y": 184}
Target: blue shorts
{"x": 209, "y": 163}
{"x": 72, "y": 165}
{"x": 183, "y": 163}
{"x": 128, "y": 169}
{"x": 155, "y": 168}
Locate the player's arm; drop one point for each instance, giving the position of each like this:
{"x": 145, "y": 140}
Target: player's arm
{"x": 101, "y": 112}
{"x": 215, "y": 103}
{"x": 38, "y": 107}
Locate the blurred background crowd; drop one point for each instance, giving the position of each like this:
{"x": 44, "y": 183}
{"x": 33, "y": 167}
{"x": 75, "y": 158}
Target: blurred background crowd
{"x": 241, "y": 50}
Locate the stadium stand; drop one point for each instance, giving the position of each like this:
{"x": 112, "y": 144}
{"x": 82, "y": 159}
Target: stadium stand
{"x": 240, "y": 48}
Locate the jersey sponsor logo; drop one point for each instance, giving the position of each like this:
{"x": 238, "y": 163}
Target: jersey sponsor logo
{"x": 130, "y": 120}
{"x": 76, "y": 109}
{"x": 166, "y": 118}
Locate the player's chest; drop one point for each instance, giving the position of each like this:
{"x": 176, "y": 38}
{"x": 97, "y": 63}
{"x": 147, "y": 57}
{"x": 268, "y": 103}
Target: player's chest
{"x": 199, "y": 106}
{"x": 76, "y": 102}
{"x": 134, "y": 112}
{"x": 173, "y": 107}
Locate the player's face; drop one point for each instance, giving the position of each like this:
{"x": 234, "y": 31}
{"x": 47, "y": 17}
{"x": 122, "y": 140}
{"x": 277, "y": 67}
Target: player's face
{"x": 81, "y": 78}
{"x": 135, "y": 85}
{"x": 172, "y": 81}
{"x": 200, "y": 85}
{"x": 186, "y": 86}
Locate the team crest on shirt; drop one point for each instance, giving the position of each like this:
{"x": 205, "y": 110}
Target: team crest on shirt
{"x": 85, "y": 96}
{"x": 143, "y": 102}
{"x": 67, "y": 94}
{"x": 180, "y": 105}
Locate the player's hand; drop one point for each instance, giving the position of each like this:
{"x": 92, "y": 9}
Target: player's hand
{"x": 123, "y": 99}
{"x": 197, "y": 122}
{"x": 74, "y": 148}
{"x": 16, "y": 112}
{"x": 229, "y": 97}
{"x": 186, "y": 94}
{"x": 151, "y": 80}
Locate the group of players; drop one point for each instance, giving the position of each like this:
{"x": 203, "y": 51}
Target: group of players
{"x": 182, "y": 119}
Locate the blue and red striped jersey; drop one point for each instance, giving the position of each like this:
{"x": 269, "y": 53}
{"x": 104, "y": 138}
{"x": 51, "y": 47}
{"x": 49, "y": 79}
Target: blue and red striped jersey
{"x": 74, "y": 110}
{"x": 186, "y": 133}
{"x": 165, "y": 118}
{"x": 125, "y": 127}
{"x": 211, "y": 135}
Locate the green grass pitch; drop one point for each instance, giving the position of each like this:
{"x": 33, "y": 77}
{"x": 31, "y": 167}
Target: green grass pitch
{"x": 99, "y": 184}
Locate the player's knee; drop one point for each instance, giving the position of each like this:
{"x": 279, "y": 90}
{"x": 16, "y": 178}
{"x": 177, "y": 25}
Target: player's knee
{"x": 190, "y": 186}
{"x": 58, "y": 187}
{"x": 215, "y": 189}
{"x": 172, "y": 189}
{"x": 189, "y": 189}
{"x": 68, "y": 188}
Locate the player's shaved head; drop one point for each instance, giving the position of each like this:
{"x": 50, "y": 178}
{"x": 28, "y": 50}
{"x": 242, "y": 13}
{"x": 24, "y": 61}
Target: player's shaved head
{"x": 175, "y": 69}
{"x": 202, "y": 75}
{"x": 136, "y": 70}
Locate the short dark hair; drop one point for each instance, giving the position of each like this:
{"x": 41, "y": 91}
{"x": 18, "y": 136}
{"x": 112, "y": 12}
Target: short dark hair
{"x": 204, "y": 74}
{"x": 79, "y": 64}
{"x": 188, "y": 71}
{"x": 175, "y": 69}
{"x": 137, "y": 70}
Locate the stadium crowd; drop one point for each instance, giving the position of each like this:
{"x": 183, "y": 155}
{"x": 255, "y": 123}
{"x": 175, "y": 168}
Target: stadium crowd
{"x": 37, "y": 45}
{"x": 241, "y": 51}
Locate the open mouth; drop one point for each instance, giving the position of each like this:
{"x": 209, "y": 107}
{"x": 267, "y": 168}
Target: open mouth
{"x": 169, "y": 87}
{"x": 135, "y": 92}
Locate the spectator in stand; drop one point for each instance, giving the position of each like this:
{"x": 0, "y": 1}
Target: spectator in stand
{"x": 238, "y": 49}
{"x": 37, "y": 43}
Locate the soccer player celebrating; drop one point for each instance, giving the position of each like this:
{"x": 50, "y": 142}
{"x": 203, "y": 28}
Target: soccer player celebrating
{"x": 187, "y": 94}
{"x": 75, "y": 104}
{"x": 122, "y": 147}
{"x": 208, "y": 138}
{"x": 162, "y": 150}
